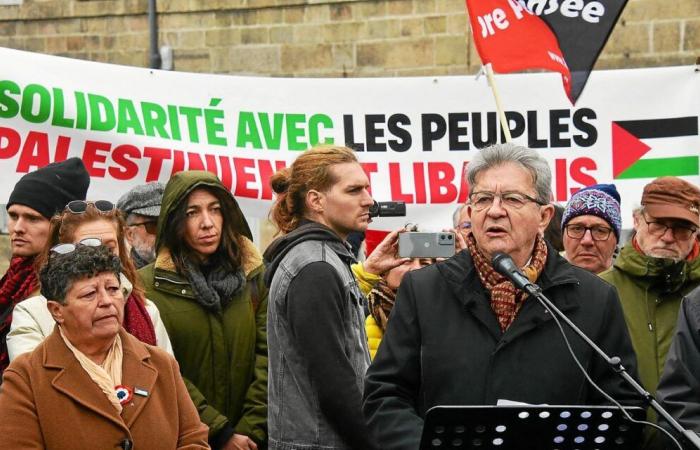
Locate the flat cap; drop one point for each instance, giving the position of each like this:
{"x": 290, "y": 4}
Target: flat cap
{"x": 673, "y": 198}
{"x": 144, "y": 199}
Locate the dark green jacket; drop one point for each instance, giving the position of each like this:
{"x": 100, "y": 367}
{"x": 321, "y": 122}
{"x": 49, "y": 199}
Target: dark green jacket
{"x": 222, "y": 356}
{"x": 651, "y": 290}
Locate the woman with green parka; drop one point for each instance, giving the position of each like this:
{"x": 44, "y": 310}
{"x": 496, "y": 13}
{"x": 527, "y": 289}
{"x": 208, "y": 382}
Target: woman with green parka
{"x": 207, "y": 284}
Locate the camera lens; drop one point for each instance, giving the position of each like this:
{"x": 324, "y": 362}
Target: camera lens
{"x": 449, "y": 237}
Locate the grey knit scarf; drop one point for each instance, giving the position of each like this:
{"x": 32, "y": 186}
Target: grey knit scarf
{"x": 215, "y": 289}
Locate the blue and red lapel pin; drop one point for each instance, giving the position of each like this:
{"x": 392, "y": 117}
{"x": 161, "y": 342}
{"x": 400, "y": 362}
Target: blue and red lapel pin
{"x": 124, "y": 394}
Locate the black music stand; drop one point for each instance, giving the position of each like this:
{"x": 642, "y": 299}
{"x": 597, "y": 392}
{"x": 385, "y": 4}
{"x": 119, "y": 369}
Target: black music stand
{"x": 531, "y": 427}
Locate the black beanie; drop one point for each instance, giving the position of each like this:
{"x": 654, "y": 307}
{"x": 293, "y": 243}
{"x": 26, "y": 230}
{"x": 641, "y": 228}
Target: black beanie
{"x": 49, "y": 189}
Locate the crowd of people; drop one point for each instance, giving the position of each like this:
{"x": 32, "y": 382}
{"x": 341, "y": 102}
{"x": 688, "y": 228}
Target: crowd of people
{"x": 157, "y": 323}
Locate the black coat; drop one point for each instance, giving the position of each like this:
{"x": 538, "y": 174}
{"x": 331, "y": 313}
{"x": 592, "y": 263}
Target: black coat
{"x": 443, "y": 346}
{"x": 679, "y": 388}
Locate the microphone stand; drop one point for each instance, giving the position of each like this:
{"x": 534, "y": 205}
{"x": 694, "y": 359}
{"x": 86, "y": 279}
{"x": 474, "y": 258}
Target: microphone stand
{"x": 615, "y": 362}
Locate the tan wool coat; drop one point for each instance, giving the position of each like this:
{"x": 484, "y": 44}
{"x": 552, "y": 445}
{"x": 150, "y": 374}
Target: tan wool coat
{"x": 49, "y": 401}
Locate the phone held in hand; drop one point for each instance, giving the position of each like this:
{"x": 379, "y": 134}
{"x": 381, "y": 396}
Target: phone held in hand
{"x": 426, "y": 245}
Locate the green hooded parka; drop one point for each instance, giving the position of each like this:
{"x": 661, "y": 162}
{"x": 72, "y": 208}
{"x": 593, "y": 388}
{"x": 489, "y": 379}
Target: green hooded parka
{"x": 222, "y": 355}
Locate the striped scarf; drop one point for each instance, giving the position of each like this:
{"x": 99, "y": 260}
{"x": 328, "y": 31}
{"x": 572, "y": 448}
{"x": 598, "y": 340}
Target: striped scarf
{"x": 506, "y": 300}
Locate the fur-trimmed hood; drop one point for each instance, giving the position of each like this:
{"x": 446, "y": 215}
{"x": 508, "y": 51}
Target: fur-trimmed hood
{"x": 252, "y": 259}
{"x": 180, "y": 186}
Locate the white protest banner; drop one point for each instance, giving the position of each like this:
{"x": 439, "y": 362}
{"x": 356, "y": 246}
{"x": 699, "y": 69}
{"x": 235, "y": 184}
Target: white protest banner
{"x": 414, "y": 136}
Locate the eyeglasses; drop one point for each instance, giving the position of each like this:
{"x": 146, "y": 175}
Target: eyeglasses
{"x": 80, "y": 206}
{"x": 64, "y": 249}
{"x": 151, "y": 226}
{"x": 680, "y": 232}
{"x": 510, "y": 200}
{"x": 598, "y": 233}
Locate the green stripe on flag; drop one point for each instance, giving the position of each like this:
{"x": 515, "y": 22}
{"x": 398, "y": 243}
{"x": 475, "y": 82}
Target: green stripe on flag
{"x": 662, "y": 167}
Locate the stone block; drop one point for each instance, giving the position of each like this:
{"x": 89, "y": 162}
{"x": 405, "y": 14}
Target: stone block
{"x": 9, "y": 28}
{"x": 435, "y": 25}
{"x": 458, "y": 24}
{"x": 257, "y": 35}
{"x": 382, "y": 29}
{"x": 399, "y": 7}
{"x": 451, "y": 51}
{"x": 411, "y": 27}
{"x": 68, "y": 26}
{"x": 306, "y": 58}
{"x": 283, "y": 34}
{"x": 451, "y": 6}
{"x": 136, "y": 23}
{"x": 460, "y": 70}
{"x": 191, "y": 61}
{"x": 34, "y": 44}
{"x": 341, "y": 12}
{"x": 343, "y": 31}
{"x": 293, "y": 15}
{"x": 222, "y": 37}
{"x": 221, "y": 19}
{"x": 269, "y": 16}
{"x": 396, "y": 54}
{"x": 629, "y": 38}
{"x": 422, "y": 72}
{"x": 369, "y": 10}
{"x": 55, "y": 44}
{"x": 176, "y": 21}
{"x": 317, "y": 14}
{"x": 307, "y": 34}
{"x": 666, "y": 37}
{"x": 344, "y": 56}
{"x": 190, "y": 39}
{"x": 691, "y": 41}
{"x": 645, "y": 10}
{"x": 372, "y": 54}
{"x": 424, "y": 6}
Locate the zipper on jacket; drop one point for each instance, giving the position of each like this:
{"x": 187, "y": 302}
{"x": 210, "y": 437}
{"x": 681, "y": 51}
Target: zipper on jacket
{"x": 169, "y": 280}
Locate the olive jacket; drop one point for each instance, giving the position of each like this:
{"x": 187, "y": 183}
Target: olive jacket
{"x": 650, "y": 290}
{"x": 222, "y": 356}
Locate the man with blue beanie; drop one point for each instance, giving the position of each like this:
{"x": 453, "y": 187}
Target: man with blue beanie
{"x": 591, "y": 227}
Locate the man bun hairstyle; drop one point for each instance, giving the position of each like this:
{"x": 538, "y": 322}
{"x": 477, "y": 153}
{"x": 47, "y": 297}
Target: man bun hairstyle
{"x": 310, "y": 171}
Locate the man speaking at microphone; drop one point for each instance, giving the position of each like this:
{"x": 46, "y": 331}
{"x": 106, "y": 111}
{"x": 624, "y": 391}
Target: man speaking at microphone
{"x": 461, "y": 334}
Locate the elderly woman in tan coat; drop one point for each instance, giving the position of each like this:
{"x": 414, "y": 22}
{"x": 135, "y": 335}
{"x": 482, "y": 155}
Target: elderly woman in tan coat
{"x": 90, "y": 384}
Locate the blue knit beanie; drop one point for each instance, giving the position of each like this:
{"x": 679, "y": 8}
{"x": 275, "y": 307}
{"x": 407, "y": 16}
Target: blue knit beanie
{"x": 601, "y": 200}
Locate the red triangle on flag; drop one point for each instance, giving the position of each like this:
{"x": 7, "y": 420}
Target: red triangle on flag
{"x": 626, "y": 149}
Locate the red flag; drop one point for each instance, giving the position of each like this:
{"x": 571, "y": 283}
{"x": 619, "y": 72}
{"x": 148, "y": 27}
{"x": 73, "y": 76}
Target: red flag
{"x": 509, "y": 37}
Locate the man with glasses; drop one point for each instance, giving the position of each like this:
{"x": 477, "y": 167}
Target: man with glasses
{"x": 591, "y": 227}
{"x": 657, "y": 268}
{"x": 141, "y": 208}
{"x": 460, "y": 220}
{"x": 461, "y": 334}
{"x": 36, "y": 197}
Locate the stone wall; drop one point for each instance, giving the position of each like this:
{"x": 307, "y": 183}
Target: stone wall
{"x": 329, "y": 38}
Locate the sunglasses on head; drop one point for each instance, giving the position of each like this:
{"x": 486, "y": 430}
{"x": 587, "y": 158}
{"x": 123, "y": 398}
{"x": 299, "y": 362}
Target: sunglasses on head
{"x": 69, "y": 247}
{"x": 80, "y": 206}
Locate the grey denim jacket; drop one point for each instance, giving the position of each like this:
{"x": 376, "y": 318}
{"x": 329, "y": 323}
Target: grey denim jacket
{"x": 295, "y": 421}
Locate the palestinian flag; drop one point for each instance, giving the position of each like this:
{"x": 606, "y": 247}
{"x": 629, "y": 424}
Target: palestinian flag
{"x": 564, "y": 36}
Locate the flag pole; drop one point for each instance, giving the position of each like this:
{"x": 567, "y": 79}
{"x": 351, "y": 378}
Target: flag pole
{"x": 497, "y": 97}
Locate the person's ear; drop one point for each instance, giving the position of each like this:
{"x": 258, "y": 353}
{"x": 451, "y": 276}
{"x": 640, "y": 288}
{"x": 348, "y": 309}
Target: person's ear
{"x": 56, "y": 310}
{"x": 546, "y": 214}
{"x": 315, "y": 201}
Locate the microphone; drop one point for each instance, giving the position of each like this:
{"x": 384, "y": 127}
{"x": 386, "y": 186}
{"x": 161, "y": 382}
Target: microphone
{"x": 504, "y": 264}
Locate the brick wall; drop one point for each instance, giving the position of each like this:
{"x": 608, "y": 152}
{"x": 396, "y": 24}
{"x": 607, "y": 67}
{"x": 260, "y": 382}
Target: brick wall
{"x": 316, "y": 37}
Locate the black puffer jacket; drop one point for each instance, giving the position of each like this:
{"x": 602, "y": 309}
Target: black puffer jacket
{"x": 443, "y": 346}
